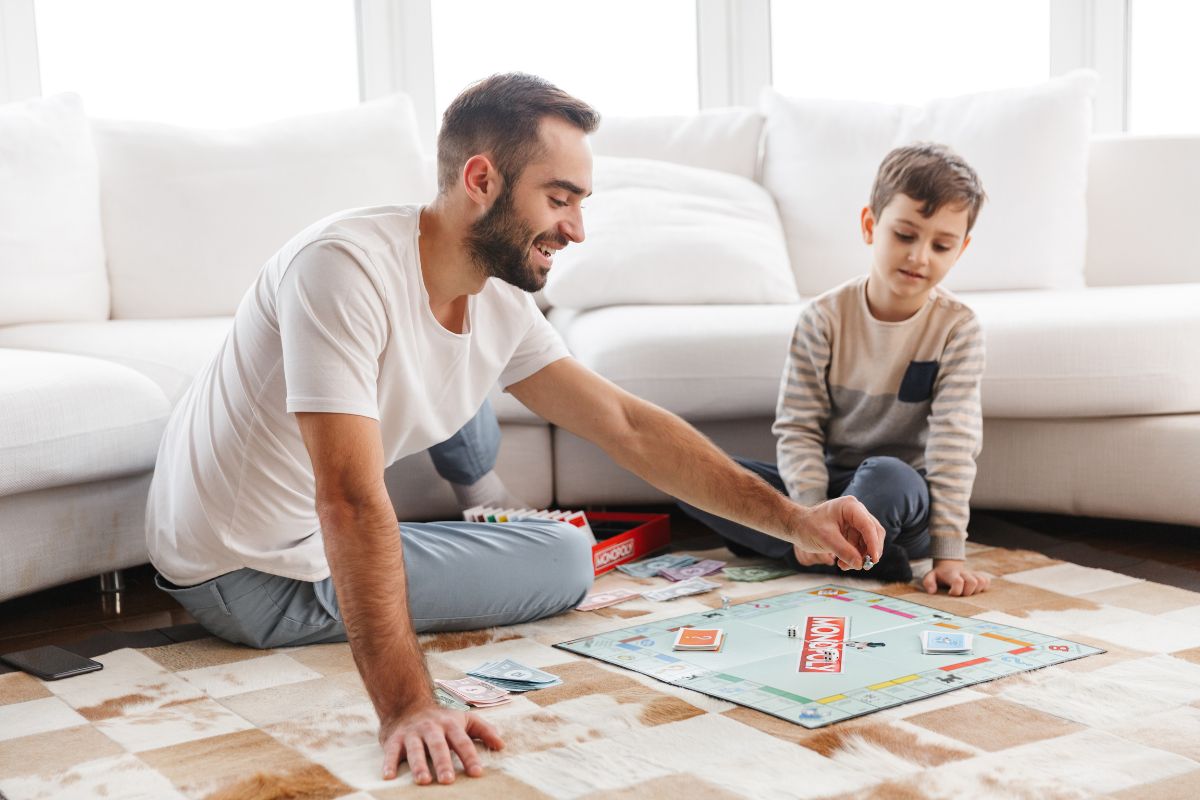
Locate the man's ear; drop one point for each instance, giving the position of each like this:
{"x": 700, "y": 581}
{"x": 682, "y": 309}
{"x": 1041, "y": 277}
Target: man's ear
{"x": 481, "y": 180}
{"x": 867, "y": 221}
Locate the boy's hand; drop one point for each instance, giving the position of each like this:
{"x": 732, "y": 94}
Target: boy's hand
{"x": 955, "y": 576}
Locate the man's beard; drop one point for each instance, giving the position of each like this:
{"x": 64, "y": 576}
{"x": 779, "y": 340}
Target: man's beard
{"x": 498, "y": 243}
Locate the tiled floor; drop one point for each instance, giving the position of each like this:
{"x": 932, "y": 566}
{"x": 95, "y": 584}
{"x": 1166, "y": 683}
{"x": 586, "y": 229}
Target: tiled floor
{"x": 91, "y": 623}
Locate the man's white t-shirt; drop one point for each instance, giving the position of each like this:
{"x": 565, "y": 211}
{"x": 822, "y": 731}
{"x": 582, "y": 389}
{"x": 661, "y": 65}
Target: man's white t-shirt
{"x": 337, "y": 321}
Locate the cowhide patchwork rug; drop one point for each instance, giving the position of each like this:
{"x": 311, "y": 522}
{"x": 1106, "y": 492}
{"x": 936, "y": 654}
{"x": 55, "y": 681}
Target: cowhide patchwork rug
{"x": 207, "y": 719}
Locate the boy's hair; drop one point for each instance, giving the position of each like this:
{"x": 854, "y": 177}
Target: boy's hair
{"x": 500, "y": 116}
{"x": 929, "y": 173}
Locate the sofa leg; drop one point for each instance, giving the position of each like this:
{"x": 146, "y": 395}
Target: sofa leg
{"x": 112, "y": 582}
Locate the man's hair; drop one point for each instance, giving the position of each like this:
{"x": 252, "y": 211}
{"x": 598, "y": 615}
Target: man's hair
{"x": 929, "y": 173}
{"x": 500, "y": 116}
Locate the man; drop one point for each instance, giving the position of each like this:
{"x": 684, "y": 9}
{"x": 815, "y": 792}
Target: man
{"x": 378, "y": 333}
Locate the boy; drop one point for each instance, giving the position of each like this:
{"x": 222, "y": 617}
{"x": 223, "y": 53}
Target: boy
{"x": 880, "y": 394}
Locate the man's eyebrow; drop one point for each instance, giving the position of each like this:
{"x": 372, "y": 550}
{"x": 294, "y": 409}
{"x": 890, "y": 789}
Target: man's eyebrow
{"x": 567, "y": 186}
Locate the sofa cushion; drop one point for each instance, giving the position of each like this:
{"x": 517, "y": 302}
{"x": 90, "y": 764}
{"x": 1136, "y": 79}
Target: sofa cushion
{"x": 1083, "y": 353}
{"x": 190, "y": 216}
{"x": 68, "y": 419}
{"x": 724, "y": 139}
{"x": 1029, "y": 146}
{"x": 662, "y": 233}
{"x": 702, "y": 362}
{"x": 1098, "y": 352}
{"x": 170, "y": 352}
{"x": 51, "y": 247}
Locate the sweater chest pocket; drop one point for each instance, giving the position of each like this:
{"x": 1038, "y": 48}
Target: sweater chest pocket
{"x": 917, "y": 385}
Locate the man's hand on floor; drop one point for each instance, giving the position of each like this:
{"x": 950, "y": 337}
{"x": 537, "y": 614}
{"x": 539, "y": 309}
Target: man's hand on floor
{"x": 430, "y": 734}
{"x": 955, "y": 576}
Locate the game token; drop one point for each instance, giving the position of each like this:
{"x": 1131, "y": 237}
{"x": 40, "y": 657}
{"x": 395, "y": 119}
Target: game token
{"x": 868, "y": 563}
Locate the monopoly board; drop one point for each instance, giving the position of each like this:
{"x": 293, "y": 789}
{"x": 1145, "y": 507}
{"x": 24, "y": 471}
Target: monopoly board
{"x": 877, "y": 661}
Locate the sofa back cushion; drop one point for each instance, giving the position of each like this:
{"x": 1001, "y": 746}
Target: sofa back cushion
{"x": 1029, "y": 146}
{"x": 190, "y": 216}
{"x": 51, "y": 247}
{"x": 722, "y": 139}
{"x": 662, "y": 233}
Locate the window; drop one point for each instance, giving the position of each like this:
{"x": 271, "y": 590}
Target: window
{"x": 1164, "y": 63}
{"x": 216, "y": 63}
{"x": 623, "y": 57}
{"x": 907, "y": 52}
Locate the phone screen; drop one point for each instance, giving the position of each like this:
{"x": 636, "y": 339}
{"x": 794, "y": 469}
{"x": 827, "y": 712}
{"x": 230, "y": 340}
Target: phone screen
{"x": 50, "y": 663}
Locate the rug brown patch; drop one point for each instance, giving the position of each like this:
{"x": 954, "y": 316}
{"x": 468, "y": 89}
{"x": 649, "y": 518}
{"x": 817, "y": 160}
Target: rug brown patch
{"x": 18, "y": 687}
{"x": 459, "y": 640}
{"x": 668, "y": 787}
{"x": 1003, "y": 561}
{"x": 900, "y": 743}
{"x": 492, "y": 785}
{"x": 612, "y": 612}
{"x": 943, "y": 602}
{"x": 994, "y": 724}
{"x": 244, "y": 764}
{"x": 1192, "y": 655}
{"x": 1147, "y": 597}
{"x": 53, "y": 752}
{"x": 892, "y": 589}
{"x": 207, "y": 652}
{"x": 1180, "y": 787}
{"x": 665, "y": 708}
{"x": 779, "y": 728}
{"x": 1003, "y": 595}
{"x": 313, "y": 782}
{"x": 115, "y": 707}
{"x": 327, "y": 659}
{"x": 1060, "y": 603}
{"x": 1114, "y": 654}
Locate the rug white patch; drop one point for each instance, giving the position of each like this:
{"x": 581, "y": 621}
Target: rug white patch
{"x": 1122, "y": 692}
{"x": 1071, "y": 579}
{"x": 253, "y": 674}
{"x": 124, "y": 776}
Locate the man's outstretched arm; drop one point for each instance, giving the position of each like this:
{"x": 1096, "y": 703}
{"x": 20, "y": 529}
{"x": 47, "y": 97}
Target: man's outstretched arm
{"x": 366, "y": 558}
{"x": 665, "y": 451}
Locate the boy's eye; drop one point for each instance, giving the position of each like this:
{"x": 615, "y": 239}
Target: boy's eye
{"x": 941, "y": 248}
{"x": 905, "y": 237}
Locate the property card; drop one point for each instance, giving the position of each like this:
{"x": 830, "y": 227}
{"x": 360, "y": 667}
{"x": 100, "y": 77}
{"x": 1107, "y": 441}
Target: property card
{"x": 700, "y": 568}
{"x": 699, "y": 639}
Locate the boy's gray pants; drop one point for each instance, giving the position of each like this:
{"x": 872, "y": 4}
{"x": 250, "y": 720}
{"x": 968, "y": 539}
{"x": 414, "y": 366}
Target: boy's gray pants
{"x": 461, "y": 575}
{"x": 895, "y": 494}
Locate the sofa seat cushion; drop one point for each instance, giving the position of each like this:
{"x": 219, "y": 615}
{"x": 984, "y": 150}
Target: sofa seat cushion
{"x": 702, "y": 362}
{"x": 1108, "y": 352}
{"x": 169, "y": 352}
{"x": 67, "y": 419}
{"x": 1099, "y": 352}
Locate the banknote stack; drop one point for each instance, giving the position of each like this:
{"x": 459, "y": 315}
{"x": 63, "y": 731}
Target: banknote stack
{"x": 474, "y": 692}
{"x": 513, "y": 677}
{"x": 759, "y": 572}
{"x": 609, "y": 597}
{"x": 697, "y": 570}
{"x": 649, "y": 567}
{"x": 490, "y": 514}
{"x": 681, "y": 589}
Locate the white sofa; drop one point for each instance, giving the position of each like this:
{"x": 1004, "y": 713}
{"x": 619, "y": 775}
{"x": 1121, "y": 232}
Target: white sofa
{"x": 1091, "y": 394}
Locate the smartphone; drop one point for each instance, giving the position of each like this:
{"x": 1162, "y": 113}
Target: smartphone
{"x": 50, "y": 663}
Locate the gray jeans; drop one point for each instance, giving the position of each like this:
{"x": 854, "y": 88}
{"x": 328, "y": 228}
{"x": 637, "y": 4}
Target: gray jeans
{"x": 895, "y": 494}
{"x": 461, "y": 576}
